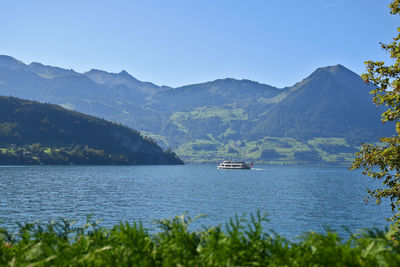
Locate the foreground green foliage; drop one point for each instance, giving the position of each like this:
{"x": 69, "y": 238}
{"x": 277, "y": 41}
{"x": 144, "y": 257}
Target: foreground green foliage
{"x": 383, "y": 162}
{"x": 243, "y": 243}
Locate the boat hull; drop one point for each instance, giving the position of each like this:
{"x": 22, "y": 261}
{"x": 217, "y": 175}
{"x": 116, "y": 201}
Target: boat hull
{"x": 233, "y": 168}
{"x": 233, "y": 165}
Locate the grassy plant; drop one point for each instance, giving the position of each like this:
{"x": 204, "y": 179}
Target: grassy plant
{"x": 240, "y": 243}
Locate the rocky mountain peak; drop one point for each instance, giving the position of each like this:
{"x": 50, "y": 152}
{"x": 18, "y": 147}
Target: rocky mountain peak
{"x": 10, "y": 62}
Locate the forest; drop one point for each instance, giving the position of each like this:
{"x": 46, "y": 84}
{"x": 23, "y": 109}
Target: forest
{"x": 34, "y": 133}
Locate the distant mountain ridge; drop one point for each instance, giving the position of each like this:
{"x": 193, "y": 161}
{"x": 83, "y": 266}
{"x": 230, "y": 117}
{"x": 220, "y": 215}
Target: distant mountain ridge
{"x": 122, "y": 79}
{"x": 322, "y": 119}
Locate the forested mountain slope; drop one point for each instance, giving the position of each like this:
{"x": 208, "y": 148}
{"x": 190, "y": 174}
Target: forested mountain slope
{"x": 25, "y": 123}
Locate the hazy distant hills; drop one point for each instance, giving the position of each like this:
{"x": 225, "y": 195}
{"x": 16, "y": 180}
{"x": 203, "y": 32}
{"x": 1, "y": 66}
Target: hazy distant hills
{"x": 216, "y": 93}
{"x": 92, "y": 140}
{"x": 322, "y": 119}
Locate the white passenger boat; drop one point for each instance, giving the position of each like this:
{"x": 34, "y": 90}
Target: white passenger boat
{"x": 233, "y": 165}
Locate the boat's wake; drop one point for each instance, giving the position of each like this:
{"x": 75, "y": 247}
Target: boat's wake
{"x": 257, "y": 169}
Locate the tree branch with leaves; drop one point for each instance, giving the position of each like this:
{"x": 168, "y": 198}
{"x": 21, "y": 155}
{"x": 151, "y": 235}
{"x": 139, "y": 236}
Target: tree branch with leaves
{"x": 382, "y": 162}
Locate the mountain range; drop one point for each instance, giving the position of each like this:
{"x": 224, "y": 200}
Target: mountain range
{"x": 322, "y": 119}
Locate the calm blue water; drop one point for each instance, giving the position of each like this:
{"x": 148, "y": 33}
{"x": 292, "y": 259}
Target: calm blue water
{"x": 296, "y": 198}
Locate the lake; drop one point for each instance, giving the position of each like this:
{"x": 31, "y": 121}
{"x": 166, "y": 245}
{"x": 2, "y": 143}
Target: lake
{"x": 297, "y": 198}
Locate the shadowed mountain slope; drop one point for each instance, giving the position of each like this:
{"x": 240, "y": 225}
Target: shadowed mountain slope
{"x": 25, "y": 122}
{"x": 331, "y": 102}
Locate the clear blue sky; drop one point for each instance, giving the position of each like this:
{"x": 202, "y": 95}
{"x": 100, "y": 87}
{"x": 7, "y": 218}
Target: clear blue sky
{"x": 178, "y": 42}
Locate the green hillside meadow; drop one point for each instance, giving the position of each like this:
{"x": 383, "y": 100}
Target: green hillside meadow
{"x": 218, "y": 145}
